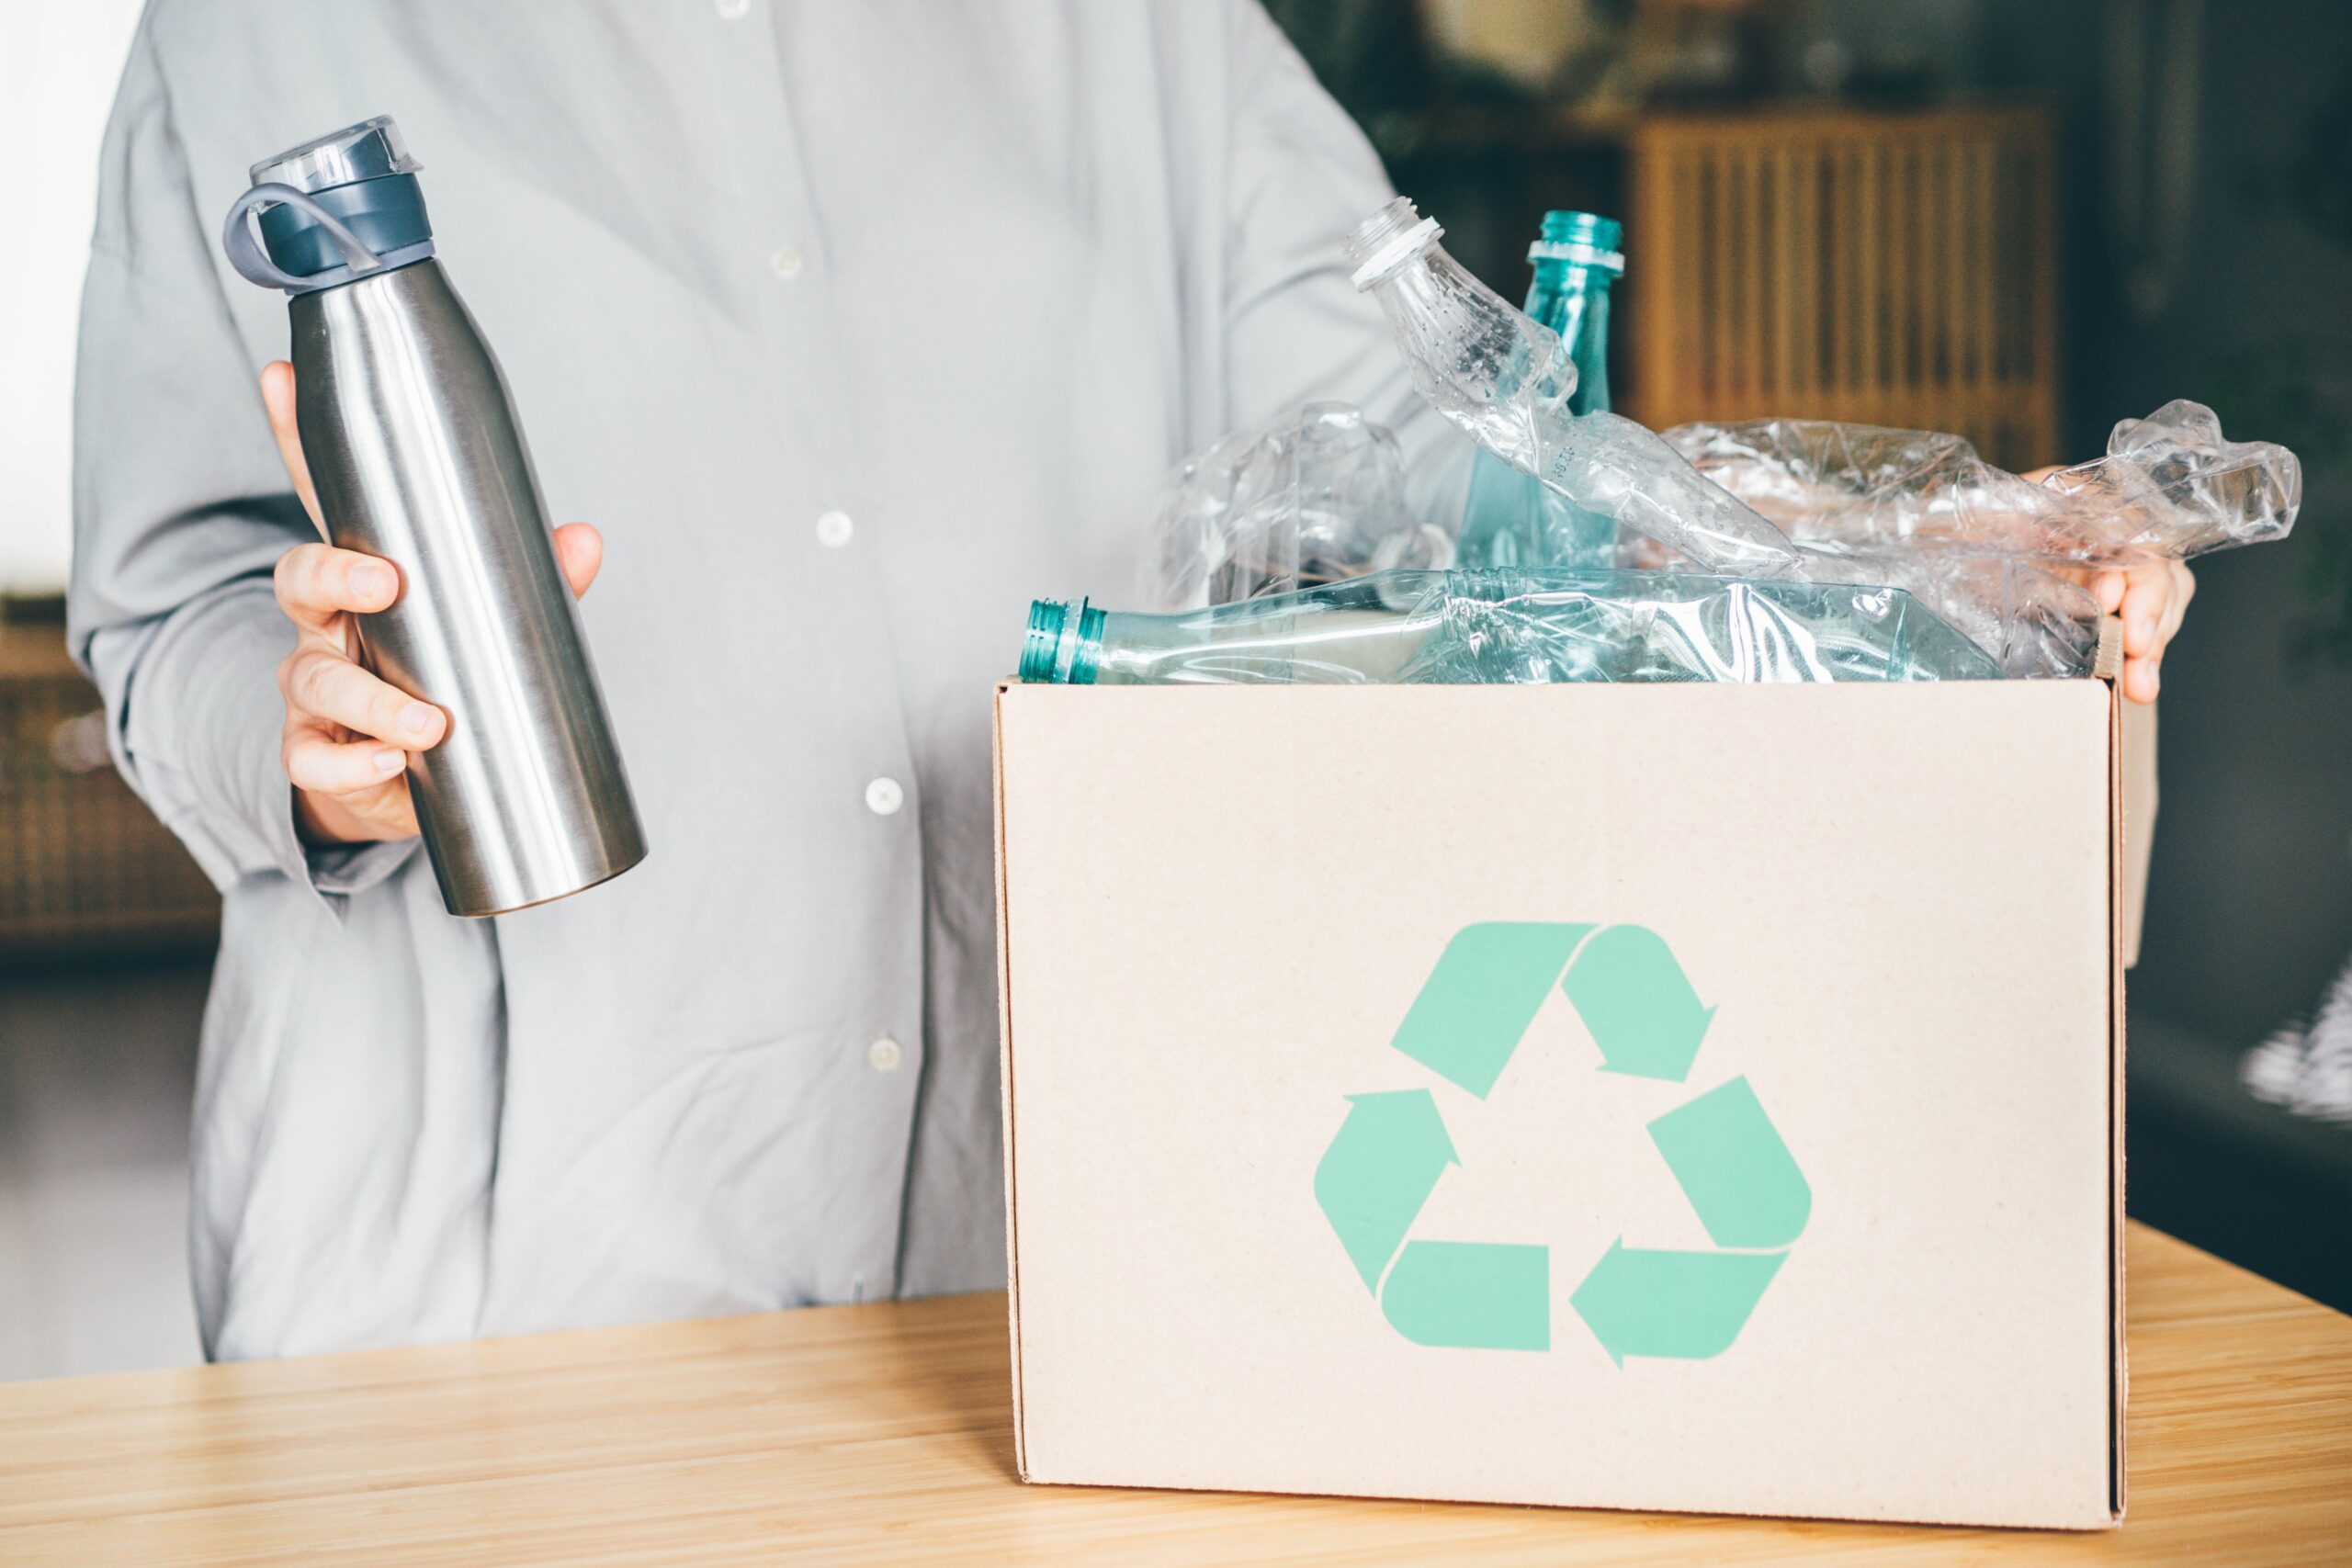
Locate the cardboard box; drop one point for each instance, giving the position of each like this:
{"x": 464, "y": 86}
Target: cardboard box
{"x": 1644, "y": 1097}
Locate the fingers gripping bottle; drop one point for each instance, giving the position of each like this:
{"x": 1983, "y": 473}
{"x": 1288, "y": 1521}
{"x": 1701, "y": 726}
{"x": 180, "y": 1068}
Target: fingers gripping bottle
{"x": 1511, "y": 518}
{"x": 414, "y": 445}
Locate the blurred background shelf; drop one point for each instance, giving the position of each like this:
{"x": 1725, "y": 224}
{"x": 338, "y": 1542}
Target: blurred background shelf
{"x": 1895, "y": 270}
{"x": 85, "y": 870}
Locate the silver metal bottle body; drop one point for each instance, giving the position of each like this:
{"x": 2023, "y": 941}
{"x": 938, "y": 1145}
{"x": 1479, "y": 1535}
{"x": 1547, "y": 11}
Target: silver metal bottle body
{"x": 414, "y": 445}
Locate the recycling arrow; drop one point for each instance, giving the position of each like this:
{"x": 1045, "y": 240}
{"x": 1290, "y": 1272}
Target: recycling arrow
{"x": 1648, "y": 1021}
{"x": 1481, "y": 997}
{"x": 1641, "y": 1010}
{"x": 1732, "y": 1166}
{"x": 1379, "y": 1171}
{"x": 1690, "y": 1305}
{"x": 1474, "y": 1295}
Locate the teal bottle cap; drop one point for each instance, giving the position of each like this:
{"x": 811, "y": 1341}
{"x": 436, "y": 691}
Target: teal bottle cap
{"x": 1063, "y": 643}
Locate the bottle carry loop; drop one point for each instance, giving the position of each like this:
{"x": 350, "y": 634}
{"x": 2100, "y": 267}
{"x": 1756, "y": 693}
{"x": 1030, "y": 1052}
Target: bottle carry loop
{"x": 253, "y": 261}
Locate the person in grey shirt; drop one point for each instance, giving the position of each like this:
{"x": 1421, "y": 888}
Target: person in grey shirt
{"x": 852, "y": 324}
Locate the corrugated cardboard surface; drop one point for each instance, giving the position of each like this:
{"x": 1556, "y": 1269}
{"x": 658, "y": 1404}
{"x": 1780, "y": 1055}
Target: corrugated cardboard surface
{"x": 2136, "y": 743}
{"x": 1218, "y": 904}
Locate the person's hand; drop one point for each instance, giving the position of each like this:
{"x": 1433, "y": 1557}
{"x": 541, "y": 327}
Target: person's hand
{"x": 348, "y": 734}
{"x": 2151, "y": 599}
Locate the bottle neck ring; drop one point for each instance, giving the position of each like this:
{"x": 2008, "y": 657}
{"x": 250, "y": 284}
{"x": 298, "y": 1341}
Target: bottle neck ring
{"x": 1576, "y": 254}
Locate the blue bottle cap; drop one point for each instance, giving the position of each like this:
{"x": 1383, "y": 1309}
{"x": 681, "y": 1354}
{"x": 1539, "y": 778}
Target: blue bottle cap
{"x": 340, "y": 207}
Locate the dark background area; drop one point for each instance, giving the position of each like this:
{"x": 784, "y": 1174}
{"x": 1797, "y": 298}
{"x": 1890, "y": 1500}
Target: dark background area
{"x": 2204, "y": 255}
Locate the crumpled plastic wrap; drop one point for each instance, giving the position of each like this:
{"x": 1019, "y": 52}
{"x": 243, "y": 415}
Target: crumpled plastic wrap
{"x": 1828, "y": 503}
{"x": 1526, "y": 627}
{"x": 1315, "y": 497}
{"x": 1504, "y": 378}
{"x": 1513, "y": 626}
{"x": 2170, "y": 486}
{"x": 2035, "y": 623}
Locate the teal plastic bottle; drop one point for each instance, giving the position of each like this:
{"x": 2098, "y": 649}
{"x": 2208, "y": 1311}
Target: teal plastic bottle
{"x": 1515, "y": 625}
{"x": 1512, "y": 519}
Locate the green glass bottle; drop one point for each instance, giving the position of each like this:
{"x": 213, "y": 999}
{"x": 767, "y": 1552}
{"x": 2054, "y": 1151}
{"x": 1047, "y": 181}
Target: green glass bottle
{"x": 1512, "y": 519}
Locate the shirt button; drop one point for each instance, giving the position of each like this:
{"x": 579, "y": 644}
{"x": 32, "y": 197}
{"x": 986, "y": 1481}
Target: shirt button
{"x": 884, "y": 796}
{"x": 833, "y": 529}
{"x": 787, "y": 261}
{"x": 884, "y": 1056}
{"x": 732, "y": 10}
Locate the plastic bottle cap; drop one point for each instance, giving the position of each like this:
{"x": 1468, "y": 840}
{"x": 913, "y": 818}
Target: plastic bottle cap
{"x": 367, "y": 151}
{"x": 1396, "y": 253}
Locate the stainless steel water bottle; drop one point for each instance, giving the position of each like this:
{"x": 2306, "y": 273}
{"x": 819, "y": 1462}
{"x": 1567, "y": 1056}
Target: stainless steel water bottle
{"x": 417, "y": 456}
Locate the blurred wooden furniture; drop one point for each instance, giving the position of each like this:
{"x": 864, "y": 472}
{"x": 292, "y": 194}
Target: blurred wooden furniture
{"x": 84, "y": 866}
{"x": 882, "y": 1434}
{"x": 1895, "y": 269}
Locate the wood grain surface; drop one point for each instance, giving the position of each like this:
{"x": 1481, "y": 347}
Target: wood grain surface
{"x": 882, "y": 1434}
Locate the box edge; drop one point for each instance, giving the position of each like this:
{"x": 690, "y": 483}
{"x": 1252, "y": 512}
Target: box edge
{"x": 1005, "y": 1078}
{"x": 2119, "y": 937}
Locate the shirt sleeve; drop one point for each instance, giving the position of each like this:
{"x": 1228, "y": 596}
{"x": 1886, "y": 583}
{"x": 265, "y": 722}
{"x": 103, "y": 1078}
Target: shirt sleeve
{"x": 1302, "y": 177}
{"x": 181, "y": 509}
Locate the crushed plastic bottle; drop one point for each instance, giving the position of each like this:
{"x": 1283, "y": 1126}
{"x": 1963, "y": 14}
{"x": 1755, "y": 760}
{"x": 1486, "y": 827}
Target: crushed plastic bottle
{"x": 1511, "y": 626}
{"x": 1316, "y": 496}
{"x": 1512, "y": 518}
{"x": 2170, "y": 486}
{"x": 2036, "y": 624}
{"x": 1506, "y": 381}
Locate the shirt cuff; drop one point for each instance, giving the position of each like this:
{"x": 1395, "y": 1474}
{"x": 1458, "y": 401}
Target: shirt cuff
{"x": 340, "y": 870}
{"x": 200, "y": 724}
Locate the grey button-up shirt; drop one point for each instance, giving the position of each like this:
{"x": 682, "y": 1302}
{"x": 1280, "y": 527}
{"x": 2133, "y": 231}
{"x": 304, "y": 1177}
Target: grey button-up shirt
{"x": 854, "y": 325}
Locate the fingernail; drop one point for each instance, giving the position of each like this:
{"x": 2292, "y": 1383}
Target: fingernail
{"x": 2144, "y": 628}
{"x": 2156, "y": 676}
{"x": 388, "y": 761}
{"x": 372, "y": 581}
{"x": 416, "y": 718}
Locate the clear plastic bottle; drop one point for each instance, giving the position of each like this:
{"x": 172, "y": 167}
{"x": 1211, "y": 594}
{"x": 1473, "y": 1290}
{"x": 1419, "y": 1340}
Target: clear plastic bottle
{"x": 1522, "y": 626}
{"x": 1512, "y": 518}
{"x": 1506, "y": 380}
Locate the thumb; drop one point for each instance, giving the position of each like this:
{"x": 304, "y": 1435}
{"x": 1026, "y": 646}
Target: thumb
{"x": 580, "y": 550}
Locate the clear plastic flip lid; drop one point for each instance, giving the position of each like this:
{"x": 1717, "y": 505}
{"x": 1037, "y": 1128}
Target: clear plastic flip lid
{"x": 363, "y": 152}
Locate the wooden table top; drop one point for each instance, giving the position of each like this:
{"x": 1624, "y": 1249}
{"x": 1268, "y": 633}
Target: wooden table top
{"x": 882, "y": 1434}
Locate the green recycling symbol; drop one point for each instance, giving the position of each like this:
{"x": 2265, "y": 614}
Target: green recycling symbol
{"x": 1642, "y": 1012}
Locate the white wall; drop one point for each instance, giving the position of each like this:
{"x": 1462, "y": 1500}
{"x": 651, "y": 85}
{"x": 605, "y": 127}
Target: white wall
{"x": 58, "y": 59}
